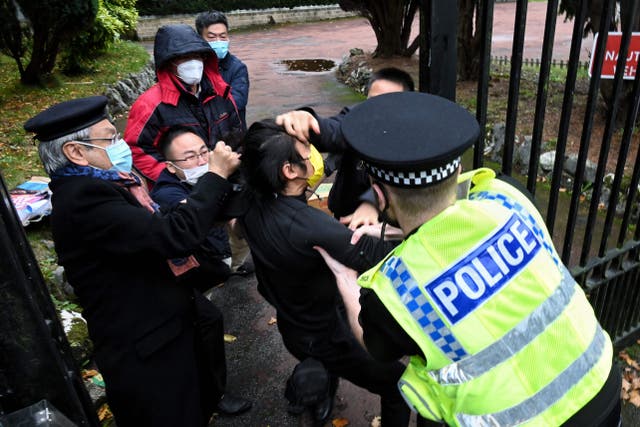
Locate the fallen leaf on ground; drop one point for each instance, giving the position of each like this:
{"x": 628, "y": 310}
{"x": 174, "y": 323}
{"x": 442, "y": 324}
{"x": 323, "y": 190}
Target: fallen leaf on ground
{"x": 229, "y": 338}
{"x": 104, "y": 413}
{"x": 273, "y": 321}
{"x": 340, "y": 422}
{"x": 376, "y": 421}
{"x": 630, "y": 390}
{"x": 629, "y": 360}
{"x": 88, "y": 373}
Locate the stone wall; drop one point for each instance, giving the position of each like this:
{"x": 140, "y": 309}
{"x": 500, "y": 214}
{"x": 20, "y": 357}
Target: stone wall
{"x": 148, "y": 25}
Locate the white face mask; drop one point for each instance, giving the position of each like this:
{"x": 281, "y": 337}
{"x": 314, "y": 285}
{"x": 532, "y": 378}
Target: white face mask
{"x": 190, "y": 71}
{"x": 192, "y": 175}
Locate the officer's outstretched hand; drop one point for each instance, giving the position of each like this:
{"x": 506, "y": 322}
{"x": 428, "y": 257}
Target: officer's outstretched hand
{"x": 223, "y": 160}
{"x": 347, "y": 282}
{"x": 298, "y": 124}
{"x": 337, "y": 268}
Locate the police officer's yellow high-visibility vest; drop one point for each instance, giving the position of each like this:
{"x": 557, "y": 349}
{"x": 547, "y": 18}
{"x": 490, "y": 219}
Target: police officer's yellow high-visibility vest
{"x": 508, "y": 335}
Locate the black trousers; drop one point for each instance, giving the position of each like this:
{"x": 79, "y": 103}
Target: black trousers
{"x": 344, "y": 357}
{"x": 210, "y": 332}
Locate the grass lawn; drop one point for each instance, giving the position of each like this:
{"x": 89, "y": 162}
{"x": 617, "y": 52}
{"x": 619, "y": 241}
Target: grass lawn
{"x": 18, "y": 152}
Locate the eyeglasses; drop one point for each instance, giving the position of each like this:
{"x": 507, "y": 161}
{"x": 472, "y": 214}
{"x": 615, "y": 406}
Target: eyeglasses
{"x": 192, "y": 158}
{"x": 114, "y": 139}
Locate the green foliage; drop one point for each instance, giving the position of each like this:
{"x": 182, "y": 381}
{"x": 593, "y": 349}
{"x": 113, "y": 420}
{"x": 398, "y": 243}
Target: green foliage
{"x": 169, "y": 7}
{"x": 13, "y": 35}
{"x": 65, "y": 305}
{"x": 52, "y": 22}
{"x": 19, "y": 160}
{"x": 115, "y": 20}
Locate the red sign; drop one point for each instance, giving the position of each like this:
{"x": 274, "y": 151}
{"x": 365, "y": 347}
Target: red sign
{"x": 612, "y": 52}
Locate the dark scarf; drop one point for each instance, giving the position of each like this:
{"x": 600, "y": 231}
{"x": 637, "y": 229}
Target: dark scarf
{"x": 130, "y": 181}
{"x": 133, "y": 184}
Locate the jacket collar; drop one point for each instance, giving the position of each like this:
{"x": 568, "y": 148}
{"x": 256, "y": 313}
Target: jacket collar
{"x": 225, "y": 62}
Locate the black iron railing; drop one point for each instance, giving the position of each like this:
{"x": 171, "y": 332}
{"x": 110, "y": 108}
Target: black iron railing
{"x": 609, "y": 271}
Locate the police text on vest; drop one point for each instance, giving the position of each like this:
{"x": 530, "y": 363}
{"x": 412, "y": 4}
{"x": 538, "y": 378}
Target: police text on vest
{"x": 485, "y": 270}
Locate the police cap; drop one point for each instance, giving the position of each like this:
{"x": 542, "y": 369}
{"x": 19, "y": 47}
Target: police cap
{"x": 67, "y": 117}
{"x": 410, "y": 139}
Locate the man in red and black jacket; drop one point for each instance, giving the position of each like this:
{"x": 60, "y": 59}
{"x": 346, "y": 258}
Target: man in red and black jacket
{"x": 190, "y": 91}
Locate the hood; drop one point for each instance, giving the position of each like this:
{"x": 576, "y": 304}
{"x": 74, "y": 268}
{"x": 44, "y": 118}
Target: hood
{"x": 177, "y": 40}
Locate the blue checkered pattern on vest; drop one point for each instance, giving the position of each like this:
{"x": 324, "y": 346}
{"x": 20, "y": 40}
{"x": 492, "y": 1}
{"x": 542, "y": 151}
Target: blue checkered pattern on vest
{"x": 421, "y": 310}
{"x": 523, "y": 213}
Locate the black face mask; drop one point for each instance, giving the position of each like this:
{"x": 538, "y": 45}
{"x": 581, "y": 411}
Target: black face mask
{"x": 384, "y": 213}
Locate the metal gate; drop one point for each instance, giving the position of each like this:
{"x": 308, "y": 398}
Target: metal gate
{"x": 600, "y": 245}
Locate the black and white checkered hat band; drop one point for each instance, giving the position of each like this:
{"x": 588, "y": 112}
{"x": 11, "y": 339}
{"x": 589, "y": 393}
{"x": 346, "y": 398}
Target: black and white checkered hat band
{"x": 415, "y": 179}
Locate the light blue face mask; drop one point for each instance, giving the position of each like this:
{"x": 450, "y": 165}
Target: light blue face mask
{"x": 119, "y": 155}
{"x": 220, "y": 47}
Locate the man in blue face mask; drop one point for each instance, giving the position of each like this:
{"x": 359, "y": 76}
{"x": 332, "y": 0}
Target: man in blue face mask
{"x": 187, "y": 160}
{"x": 116, "y": 247}
{"x": 214, "y": 29}
{"x": 189, "y": 90}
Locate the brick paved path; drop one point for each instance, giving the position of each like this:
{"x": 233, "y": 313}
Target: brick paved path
{"x": 274, "y": 90}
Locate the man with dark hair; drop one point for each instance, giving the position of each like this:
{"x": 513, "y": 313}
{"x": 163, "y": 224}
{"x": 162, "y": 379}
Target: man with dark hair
{"x": 116, "y": 250}
{"x": 498, "y": 331}
{"x": 190, "y": 91}
{"x": 387, "y": 80}
{"x": 349, "y": 198}
{"x": 214, "y": 29}
{"x": 187, "y": 157}
{"x": 282, "y": 231}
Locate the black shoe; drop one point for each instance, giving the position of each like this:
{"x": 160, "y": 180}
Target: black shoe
{"x": 231, "y": 405}
{"x": 245, "y": 269}
{"x": 295, "y": 409}
{"x": 323, "y": 410}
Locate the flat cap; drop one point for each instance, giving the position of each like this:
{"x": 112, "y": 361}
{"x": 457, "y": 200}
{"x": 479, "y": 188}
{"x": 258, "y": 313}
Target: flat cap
{"x": 67, "y": 117}
{"x": 410, "y": 139}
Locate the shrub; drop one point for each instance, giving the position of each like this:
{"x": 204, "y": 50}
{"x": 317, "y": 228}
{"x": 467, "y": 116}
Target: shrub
{"x": 169, "y": 7}
{"x": 115, "y": 20}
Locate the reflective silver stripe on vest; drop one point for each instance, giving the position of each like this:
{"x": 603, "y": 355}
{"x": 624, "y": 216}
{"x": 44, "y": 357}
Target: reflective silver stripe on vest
{"x": 514, "y": 206}
{"x": 410, "y": 404}
{"x": 420, "y": 309}
{"x": 547, "y": 396}
{"x": 513, "y": 341}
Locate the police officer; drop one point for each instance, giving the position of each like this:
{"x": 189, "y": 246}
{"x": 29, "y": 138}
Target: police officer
{"x": 498, "y": 331}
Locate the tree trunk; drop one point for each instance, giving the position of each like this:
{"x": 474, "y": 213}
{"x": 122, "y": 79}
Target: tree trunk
{"x": 43, "y": 57}
{"x": 391, "y": 23}
{"x": 468, "y": 40}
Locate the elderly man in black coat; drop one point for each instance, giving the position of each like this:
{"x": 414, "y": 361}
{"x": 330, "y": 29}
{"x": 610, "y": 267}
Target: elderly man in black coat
{"x": 122, "y": 259}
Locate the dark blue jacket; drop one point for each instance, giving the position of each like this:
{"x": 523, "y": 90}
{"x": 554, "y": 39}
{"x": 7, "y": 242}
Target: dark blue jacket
{"x": 235, "y": 73}
{"x": 169, "y": 192}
